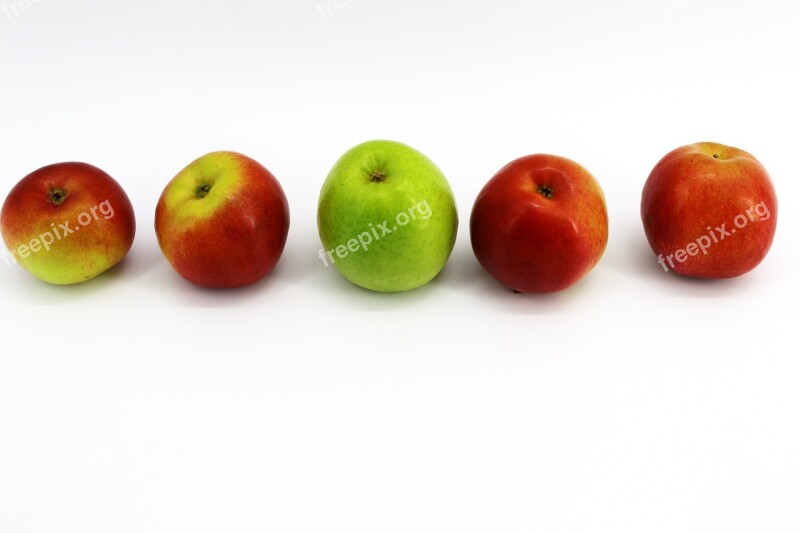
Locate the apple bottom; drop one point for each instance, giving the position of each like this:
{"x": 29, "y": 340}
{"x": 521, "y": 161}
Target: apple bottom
{"x": 77, "y": 258}
{"x": 528, "y": 260}
{"x": 721, "y": 251}
{"x": 225, "y": 259}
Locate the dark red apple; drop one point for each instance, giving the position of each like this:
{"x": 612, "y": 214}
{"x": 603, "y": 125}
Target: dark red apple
{"x": 540, "y": 224}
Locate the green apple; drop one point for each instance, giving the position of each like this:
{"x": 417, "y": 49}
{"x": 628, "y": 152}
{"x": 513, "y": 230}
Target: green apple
{"x": 387, "y": 217}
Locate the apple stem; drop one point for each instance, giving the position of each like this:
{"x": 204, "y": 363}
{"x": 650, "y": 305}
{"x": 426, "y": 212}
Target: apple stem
{"x": 546, "y": 191}
{"x": 58, "y": 196}
{"x": 202, "y": 190}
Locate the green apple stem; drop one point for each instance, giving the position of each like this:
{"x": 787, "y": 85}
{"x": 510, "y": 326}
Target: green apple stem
{"x": 202, "y": 190}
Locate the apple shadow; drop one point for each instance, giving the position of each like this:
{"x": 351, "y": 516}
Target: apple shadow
{"x": 188, "y": 294}
{"x": 139, "y": 261}
{"x": 464, "y": 272}
{"x": 638, "y": 259}
{"x": 38, "y": 292}
{"x": 300, "y": 260}
{"x": 302, "y": 263}
{"x": 462, "y": 269}
{"x": 366, "y": 300}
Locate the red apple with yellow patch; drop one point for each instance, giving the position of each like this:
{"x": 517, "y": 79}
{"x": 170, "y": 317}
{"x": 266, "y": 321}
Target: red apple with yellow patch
{"x": 540, "y": 224}
{"x": 67, "y": 223}
{"x": 709, "y": 211}
{"x": 222, "y": 222}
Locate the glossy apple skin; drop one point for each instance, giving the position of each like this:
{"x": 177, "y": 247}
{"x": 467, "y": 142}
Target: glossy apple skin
{"x": 351, "y": 201}
{"x": 532, "y": 243}
{"x": 236, "y": 234}
{"x": 695, "y": 189}
{"x": 29, "y": 212}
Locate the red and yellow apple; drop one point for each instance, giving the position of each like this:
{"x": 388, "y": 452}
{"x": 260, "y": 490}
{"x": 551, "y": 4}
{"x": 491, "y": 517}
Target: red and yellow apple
{"x": 540, "y": 224}
{"x": 709, "y": 211}
{"x": 67, "y": 223}
{"x": 222, "y": 222}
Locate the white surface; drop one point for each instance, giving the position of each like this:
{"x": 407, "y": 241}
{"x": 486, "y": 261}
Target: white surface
{"x": 636, "y": 401}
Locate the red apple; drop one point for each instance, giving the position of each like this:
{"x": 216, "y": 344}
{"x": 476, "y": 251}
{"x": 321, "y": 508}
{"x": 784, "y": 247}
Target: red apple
{"x": 222, "y": 221}
{"x": 67, "y": 223}
{"x": 540, "y": 224}
{"x": 709, "y": 211}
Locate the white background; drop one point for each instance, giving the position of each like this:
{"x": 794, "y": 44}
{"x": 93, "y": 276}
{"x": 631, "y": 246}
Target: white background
{"x": 635, "y": 401}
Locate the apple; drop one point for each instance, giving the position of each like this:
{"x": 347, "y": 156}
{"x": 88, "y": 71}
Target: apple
{"x": 709, "y": 211}
{"x": 540, "y": 224}
{"x": 222, "y": 221}
{"x": 67, "y": 223}
{"x": 387, "y": 217}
